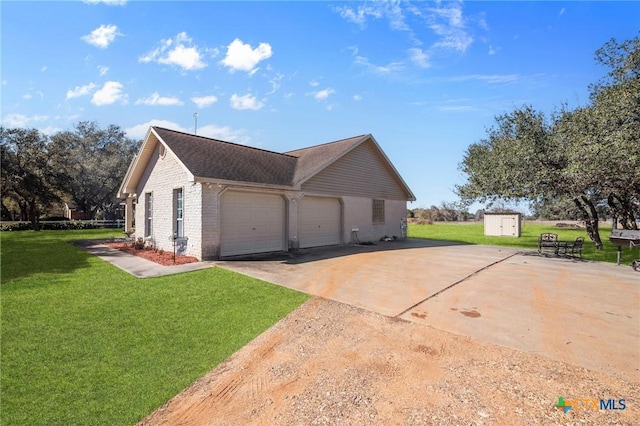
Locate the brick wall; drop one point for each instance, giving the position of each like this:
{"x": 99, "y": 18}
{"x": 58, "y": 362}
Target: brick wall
{"x": 161, "y": 177}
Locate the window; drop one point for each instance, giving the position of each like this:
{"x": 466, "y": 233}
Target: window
{"x": 148, "y": 214}
{"x": 378, "y": 211}
{"x": 178, "y": 202}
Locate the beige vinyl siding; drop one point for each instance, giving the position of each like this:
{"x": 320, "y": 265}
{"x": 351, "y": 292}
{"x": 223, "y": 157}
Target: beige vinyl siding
{"x": 362, "y": 172}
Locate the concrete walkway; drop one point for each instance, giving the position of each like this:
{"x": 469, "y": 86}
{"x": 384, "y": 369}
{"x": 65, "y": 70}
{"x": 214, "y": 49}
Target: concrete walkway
{"x": 135, "y": 265}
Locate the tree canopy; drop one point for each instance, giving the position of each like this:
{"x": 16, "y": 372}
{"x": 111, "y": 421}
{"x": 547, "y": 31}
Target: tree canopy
{"x": 589, "y": 155}
{"x": 83, "y": 166}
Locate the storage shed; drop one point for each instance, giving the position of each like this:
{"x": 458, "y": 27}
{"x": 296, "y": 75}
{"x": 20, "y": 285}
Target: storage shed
{"x": 502, "y": 224}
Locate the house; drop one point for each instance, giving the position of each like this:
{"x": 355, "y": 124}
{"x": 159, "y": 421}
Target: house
{"x": 71, "y": 212}
{"x": 218, "y": 199}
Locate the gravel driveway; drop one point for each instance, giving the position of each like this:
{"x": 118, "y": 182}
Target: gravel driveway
{"x": 413, "y": 335}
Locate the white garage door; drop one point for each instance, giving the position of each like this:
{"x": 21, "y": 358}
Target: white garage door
{"x": 319, "y": 222}
{"x": 251, "y": 223}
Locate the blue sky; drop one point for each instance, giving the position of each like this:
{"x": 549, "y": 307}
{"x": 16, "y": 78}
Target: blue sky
{"x": 425, "y": 78}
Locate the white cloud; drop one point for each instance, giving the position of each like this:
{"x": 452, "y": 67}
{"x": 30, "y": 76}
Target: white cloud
{"x": 224, "y": 133}
{"x": 488, "y": 78}
{"x": 419, "y": 57}
{"x": 103, "y": 70}
{"x": 178, "y": 51}
{"x": 50, "y": 130}
{"x": 314, "y": 83}
{"x": 242, "y": 57}
{"x": 245, "y": 102}
{"x": 107, "y": 2}
{"x": 359, "y": 15}
{"x": 448, "y": 23}
{"x": 140, "y": 131}
{"x": 204, "y": 101}
{"x": 81, "y": 90}
{"x": 321, "y": 95}
{"x": 357, "y": 98}
{"x": 445, "y": 19}
{"x": 110, "y": 93}
{"x": 390, "y": 68}
{"x": 43, "y": 69}
{"x": 156, "y": 100}
{"x": 275, "y": 83}
{"x": 21, "y": 120}
{"x": 102, "y": 36}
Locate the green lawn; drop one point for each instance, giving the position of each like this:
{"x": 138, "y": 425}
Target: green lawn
{"x": 473, "y": 233}
{"x": 86, "y": 343}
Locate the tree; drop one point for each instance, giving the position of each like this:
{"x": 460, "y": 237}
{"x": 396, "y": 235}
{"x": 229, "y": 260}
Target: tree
{"x": 588, "y": 155}
{"x": 27, "y": 176}
{"x": 92, "y": 162}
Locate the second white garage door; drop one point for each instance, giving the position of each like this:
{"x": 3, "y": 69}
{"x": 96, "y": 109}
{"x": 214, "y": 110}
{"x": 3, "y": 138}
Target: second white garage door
{"x": 319, "y": 222}
{"x": 251, "y": 223}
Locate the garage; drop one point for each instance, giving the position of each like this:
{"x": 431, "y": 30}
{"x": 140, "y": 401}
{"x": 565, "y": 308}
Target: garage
{"x": 319, "y": 222}
{"x": 251, "y": 223}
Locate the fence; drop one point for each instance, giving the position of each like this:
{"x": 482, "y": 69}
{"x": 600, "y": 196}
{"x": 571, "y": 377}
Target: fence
{"x": 63, "y": 224}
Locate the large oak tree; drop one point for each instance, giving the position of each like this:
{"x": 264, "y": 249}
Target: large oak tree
{"x": 590, "y": 155}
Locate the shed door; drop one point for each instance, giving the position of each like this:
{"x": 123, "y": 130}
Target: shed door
{"x": 251, "y": 223}
{"x": 508, "y": 226}
{"x": 319, "y": 222}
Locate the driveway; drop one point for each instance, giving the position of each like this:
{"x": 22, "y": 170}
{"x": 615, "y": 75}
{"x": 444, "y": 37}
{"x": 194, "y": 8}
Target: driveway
{"x": 583, "y": 313}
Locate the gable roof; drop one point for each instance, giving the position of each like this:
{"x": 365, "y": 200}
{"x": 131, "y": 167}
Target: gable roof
{"x": 211, "y": 159}
{"x": 313, "y": 159}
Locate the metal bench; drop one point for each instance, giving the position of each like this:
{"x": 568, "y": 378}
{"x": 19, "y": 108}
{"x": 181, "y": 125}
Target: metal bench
{"x": 548, "y": 242}
{"x": 574, "y": 249}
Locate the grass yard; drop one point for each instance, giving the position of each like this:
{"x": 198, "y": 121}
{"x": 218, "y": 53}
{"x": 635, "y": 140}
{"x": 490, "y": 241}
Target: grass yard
{"x": 473, "y": 233}
{"x": 86, "y": 343}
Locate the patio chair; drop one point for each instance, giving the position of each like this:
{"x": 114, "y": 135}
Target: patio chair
{"x": 575, "y": 247}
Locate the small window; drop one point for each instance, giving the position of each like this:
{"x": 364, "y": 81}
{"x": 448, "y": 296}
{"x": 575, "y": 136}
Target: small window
{"x": 162, "y": 150}
{"x": 178, "y": 202}
{"x": 148, "y": 214}
{"x": 378, "y": 211}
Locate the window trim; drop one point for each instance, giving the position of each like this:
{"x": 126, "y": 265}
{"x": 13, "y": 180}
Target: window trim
{"x": 178, "y": 212}
{"x": 378, "y": 211}
{"x": 148, "y": 214}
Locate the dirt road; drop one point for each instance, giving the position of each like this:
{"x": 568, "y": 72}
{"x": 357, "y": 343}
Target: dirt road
{"x": 331, "y": 363}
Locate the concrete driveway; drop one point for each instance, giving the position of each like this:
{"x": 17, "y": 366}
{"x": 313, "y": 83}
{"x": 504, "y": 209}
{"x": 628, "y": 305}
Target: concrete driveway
{"x": 583, "y": 313}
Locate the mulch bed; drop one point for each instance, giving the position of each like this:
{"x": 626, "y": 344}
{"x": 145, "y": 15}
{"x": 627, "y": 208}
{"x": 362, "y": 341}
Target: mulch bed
{"x": 159, "y": 256}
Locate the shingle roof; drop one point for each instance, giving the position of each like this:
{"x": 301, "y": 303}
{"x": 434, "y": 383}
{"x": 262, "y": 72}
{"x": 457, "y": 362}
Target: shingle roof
{"x": 315, "y": 158}
{"x": 207, "y": 158}
{"x": 211, "y": 158}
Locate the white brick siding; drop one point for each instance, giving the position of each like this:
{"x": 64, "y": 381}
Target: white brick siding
{"x": 358, "y": 214}
{"x": 161, "y": 177}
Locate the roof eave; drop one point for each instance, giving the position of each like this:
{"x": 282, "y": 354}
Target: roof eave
{"x": 140, "y": 161}
{"x": 221, "y": 182}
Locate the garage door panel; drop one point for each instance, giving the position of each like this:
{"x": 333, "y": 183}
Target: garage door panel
{"x": 251, "y": 223}
{"x": 319, "y": 222}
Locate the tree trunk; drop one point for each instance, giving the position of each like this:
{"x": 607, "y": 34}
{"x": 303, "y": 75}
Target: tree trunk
{"x": 622, "y": 208}
{"x": 590, "y": 217}
{"x": 33, "y": 214}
